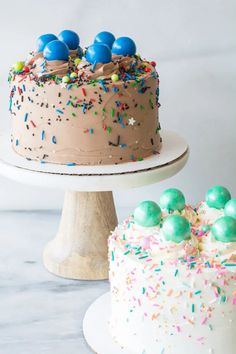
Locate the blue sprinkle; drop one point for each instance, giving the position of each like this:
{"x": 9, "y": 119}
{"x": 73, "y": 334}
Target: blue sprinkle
{"x": 10, "y": 104}
{"x": 101, "y": 82}
{"x": 115, "y": 89}
{"x": 23, "y": 87}
{"x": 68, "y": 87}
{"x": 54, "y": 139}
{"x": 17, "y": 142}
{"x": 68, "y": 102}
{"x": 84, "y": 108}
{"x": 91, "y": 131}
{"x": 59, "y": 111}
{"x": 26, "y": 117}
{"x": 43, "y": 134}
{"x": 123, "y": 145}
{"x": 71, "y": 164}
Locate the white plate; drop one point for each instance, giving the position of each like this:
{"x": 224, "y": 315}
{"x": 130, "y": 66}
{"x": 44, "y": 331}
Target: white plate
{"x": 95, "y": 327}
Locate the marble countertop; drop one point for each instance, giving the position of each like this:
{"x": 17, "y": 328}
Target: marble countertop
{"x": 39, "y": 312}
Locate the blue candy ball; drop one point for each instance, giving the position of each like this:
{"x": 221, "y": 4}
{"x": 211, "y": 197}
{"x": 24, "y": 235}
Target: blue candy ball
{"x": 124, "y": 46}
{"x": 43, "y": 40}
{"x": 105, "y": 37}
{"x": 71, "y": 38}
{"x": 98, "y": 53}
{"x": 56, "y": 50}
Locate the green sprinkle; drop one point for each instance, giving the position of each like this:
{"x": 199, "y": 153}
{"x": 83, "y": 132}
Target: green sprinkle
{"x": 138, "y": 252}
{"x": 124, "y": 237}
{"x": 230, "y": 264}
{"x": 112, "y": 112}
{"x": 143, "y": 291}
{"x": 176, "y": 272}
{"x": 157, "y": 270}
{"x": 151, "y": 103}
{"x": 210, "y": 327}
{"x": 109, "y": 129}
{"x": 197, "y": 292}
{"x": 127, "y": 252}
{"x": 104, "y": 109}
{"x": 95, "y": 113}
{"x": 141, "y": 107}
{"x": 73, "y": 114}
{"x": 193, "y": 308}
{"x": 142, "y": 257}
{"x": 91, "y": 130}
{"x": 112, "y": 256}
{"x": 223, "y": 299}
{"x": 140, "y": 158}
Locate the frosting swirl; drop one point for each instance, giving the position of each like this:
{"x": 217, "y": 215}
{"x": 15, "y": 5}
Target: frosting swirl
{"x": 53, "y": 67}
{"x": 212, "y": 248}
{"x": 207, "y": 215}
{"x": 99, "y": 71}
{"x": 187, "y": 212}
{"x": 151, "y": 239}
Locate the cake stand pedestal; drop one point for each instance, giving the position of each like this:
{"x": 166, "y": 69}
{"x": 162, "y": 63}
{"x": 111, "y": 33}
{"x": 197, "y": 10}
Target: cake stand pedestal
{"x": 79, "y": 250}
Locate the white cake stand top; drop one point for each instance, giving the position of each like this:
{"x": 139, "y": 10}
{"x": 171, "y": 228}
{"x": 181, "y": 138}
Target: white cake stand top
{"x": 173, "y": 157}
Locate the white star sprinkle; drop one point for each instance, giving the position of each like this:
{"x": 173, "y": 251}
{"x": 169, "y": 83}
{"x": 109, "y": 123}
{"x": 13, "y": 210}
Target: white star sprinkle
{"x": 132, "y": 121}
{"x": 63, "y": 84}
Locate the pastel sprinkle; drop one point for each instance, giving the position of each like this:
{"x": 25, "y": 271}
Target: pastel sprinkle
{"x": 112, "y": 256}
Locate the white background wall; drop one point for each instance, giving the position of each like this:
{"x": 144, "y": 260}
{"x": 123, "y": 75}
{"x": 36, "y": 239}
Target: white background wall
{"x": 194, "y": 43}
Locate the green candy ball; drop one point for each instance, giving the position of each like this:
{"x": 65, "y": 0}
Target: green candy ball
{"x": 230, "y": 208}
{"x": 224, "y": 229}
{"x": 147, "y": 214}
{"x": 172, "y": 199}
{"x": 18, "y": 66}
{"x": 176, "y": 228}
{"x": 217, "y": 197}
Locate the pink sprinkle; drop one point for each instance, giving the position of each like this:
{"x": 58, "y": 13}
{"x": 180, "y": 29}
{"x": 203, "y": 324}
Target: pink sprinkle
{"x": 146, "y": 243}
{"x": 200, "y": 339}
{"x": 178, "y": 328}
{"x": 204, "y": 321}
{"x": 234, "y": 300}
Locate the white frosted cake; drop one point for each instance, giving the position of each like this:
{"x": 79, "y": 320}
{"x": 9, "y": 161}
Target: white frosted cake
{"x": 173, "y": 280}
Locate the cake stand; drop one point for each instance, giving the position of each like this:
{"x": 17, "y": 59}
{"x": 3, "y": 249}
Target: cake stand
{"x": 79, "y": 250}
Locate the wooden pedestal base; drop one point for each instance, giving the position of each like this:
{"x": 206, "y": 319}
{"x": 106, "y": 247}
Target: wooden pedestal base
{"x": 79, "y": 251}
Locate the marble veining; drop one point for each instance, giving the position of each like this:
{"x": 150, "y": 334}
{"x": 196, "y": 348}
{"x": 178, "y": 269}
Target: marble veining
{"x": 39, "y": 312}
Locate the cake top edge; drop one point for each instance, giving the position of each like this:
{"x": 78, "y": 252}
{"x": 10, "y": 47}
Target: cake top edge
{"x": 176, "y": 231}
{"x": 62, "y": 60}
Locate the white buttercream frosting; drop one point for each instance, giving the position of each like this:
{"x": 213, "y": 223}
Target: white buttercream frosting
{"x": 188, "y": 212}
{"x": 208, "y": 215}
{"x": 216, "y": 249}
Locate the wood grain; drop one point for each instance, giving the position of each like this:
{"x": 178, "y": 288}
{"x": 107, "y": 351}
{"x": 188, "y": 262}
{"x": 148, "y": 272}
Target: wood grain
{"x": 79, "y": 250}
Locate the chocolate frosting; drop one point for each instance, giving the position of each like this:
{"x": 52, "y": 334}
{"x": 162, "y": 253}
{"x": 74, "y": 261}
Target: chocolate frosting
{"x": 90, "y": 121}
